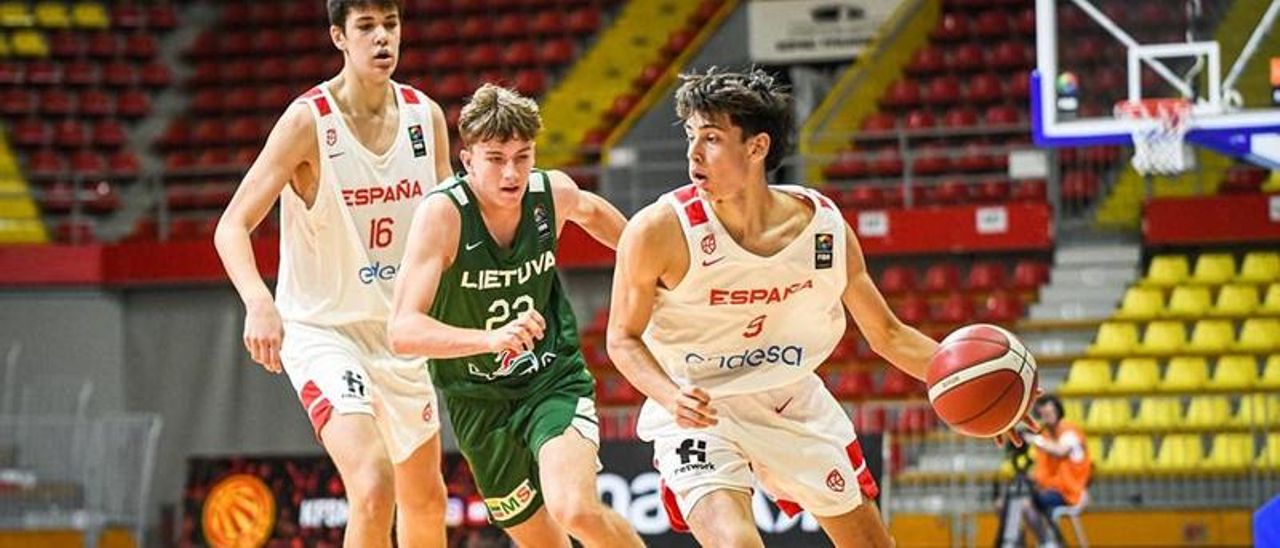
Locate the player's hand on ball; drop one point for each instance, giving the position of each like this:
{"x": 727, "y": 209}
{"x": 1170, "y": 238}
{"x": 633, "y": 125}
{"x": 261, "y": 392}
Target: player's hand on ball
{"x": 263, "y": 333}
{"x": 520, "y": 334}
{"x": 1026, "y": 427}
{"x": 692, "y": 408}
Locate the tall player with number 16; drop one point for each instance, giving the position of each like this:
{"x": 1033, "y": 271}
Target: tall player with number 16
{"x": 349, "y": 160}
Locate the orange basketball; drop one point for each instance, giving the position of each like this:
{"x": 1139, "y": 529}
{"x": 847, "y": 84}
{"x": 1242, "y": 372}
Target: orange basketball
{"x": 982, "y": 380}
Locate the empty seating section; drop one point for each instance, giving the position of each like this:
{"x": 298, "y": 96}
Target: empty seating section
{"x": 1195, "y": 349}
{"x": 259, "y": 56}
{"x": 962, "y": 105}
{"x": 74, "y": 77}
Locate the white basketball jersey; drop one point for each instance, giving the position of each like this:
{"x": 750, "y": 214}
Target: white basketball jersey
{"x": 339, "y": 259}
{"x": 740, "y": 323}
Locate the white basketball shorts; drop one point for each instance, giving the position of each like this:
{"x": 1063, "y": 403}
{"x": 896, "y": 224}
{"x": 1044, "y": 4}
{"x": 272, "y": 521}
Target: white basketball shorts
{"x": 351, "y": 369}
{"x": 795, "y": 439}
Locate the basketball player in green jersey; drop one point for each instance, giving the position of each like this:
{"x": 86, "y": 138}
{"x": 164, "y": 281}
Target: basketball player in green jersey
{"x": 479, "y": 295}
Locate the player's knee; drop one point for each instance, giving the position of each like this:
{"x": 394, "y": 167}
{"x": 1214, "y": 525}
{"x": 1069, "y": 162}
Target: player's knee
{"x": 577, "y": 513}
{"x": 371, "y": 491}
{"x": 728, "y": 534}
{"x": 426, "y": 499}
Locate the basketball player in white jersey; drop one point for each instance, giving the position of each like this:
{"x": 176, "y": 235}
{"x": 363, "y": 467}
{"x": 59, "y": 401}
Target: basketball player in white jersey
{"x": 349, "y": 160}
{"x": 728, "y": 294}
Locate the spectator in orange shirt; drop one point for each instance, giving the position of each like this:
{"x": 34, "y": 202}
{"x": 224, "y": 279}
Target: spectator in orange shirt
{"x": 1063, "y": 466}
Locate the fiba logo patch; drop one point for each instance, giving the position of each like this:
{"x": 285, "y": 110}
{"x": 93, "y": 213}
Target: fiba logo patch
{"x": 240, "y": 511}
{"x": 331, "y": 137}
{"x": 835, "y": 481}
{"x": 709, "y": 244}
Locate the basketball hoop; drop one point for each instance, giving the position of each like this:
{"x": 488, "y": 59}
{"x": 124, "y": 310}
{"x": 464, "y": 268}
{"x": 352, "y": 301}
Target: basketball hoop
{"x": 1158, "y": 147}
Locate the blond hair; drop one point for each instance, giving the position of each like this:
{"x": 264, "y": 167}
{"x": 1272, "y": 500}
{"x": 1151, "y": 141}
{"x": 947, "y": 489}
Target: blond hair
{"x": 497, "y": 113}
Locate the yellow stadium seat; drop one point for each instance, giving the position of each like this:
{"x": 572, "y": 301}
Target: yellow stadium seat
{"x": 1167, "y": 271}
{"x": 1163, "y": 338}
{"x": 1115, "y": 338}
{"x": 1271, "y": 303}
{"x": 15, "y": 14}
{"x": 1214, "y": 269}
{"x": 1270, "y": 455}
{"x": 1212, "y": 336}
{"x": 1137, "y": 375}
{"x": 1180, "y": 453}
{"x": 1185, "y": 374}
{"x": 1234, "y": 373}
{"x": 1231, "y": 452}
{"x": 1260, "y": 267}
{"x": 29, "y": 43}
{"x": 1258, "y": 411}
{"x": 1259, "y": 335}
{"x": 1271, "y": 373}
{"x": 52, "y": 15}
{"x": 1191, "y": 301}
{"x": 1087, "y": 376}
{"x": 1072, "y": 409}
{"x": 1236, "y": 300}
{"x": 1208, "y": 412}
{"x": 90, "y": 15}
{"x": 1129, "y": 455}
{"x": 1093, "y": 445}
{"x": 1141, "y": 303}
{"x": 5, "y": 49}
{"x": 1158, "y": 413}
{"x": 1108, "y": 414}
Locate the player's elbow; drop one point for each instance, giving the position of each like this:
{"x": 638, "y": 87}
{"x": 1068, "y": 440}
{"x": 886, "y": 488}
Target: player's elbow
{"x": 398, "y": 335}
{"x": 619, "y": 344}
{"x": 881, "y": 337}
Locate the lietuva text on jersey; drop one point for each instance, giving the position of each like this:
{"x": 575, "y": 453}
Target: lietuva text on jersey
{"x": 382, "y": 194}
{"x": 497, "y": 279}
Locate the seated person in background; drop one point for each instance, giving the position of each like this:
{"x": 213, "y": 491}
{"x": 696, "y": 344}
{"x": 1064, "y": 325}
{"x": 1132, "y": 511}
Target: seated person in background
{"x": 1063, "y": 465}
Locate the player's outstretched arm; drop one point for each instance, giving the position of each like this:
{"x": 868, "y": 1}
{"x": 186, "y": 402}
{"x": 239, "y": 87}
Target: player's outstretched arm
{"x": 904, "y": 346}
{"x": 290, "y": 144}
{"x": 588, "y": 210}
{"x": 430, "y": 250}
{"x": 444, "y": 169}
{"x": 644, "y": 255}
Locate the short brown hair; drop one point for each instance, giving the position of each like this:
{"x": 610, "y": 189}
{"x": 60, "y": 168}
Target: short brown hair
{"x": 752, "y": 100}
{"x": 497, "y": 113}
{"x": 339, "y": 9}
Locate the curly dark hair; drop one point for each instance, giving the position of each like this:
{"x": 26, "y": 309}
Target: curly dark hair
{"x": 339, "y": 9}
{"x": 753, "y": 101}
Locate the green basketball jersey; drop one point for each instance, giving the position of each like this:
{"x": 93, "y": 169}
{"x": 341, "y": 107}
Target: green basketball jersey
{"x": 487, "y": 287}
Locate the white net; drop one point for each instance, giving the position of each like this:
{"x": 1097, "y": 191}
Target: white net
{"x": 1158, "y": 148}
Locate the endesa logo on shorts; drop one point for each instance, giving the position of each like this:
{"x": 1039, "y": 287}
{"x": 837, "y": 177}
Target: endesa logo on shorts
{"x": 759, "y": 295}
{"x": 769, "y": 355}
{"x": 377, "y": 272}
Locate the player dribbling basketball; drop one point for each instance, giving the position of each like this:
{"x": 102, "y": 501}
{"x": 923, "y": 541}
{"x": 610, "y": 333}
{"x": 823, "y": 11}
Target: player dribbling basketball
{"x": 727, "y": 296}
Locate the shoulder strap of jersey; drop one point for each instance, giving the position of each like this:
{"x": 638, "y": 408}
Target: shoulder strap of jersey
{"x": 695, "y": 222}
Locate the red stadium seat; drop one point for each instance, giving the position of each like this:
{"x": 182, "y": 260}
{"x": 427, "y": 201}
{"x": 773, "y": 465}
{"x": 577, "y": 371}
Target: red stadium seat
{"x": 66, "y": 44}
{"x": 69, "y": 134}
{"x": 943, "y": 90}
{"x": 912, "y": 309}
{"x": 1002, "y": 115}
{"x": 475, "y": 28}
{"x": 956, "y": 308}
{"x": 992, "y": 191}
{"x": 931, "y": 160}
{"x": 584, "y": 20}
{"x": 864, "y": 197}
{"x": 119, "y": 74}
{"x": 1029, "y": 274}
{"x": 677, "y": 42}
{"x": 895, "y": 383}
{"x": 927, "y": 61}
{"x": 887, "y": 162}
{"x": 483, "y": 56}
{"x": 109, "y": 135}
{"x": 57, "y": 102}
{"x": 82, "y": 73}
{"x": 1032, "y": 190}
{"x": 556, "y": 52}
{"x": 58, "y": 197}
{"x": 960, "y": 117}
{"x": 941, "y": 278}
{"x": 531, "y": 82}
{"x": 974, "y": 158}
{"x": 162, "y": 17}
{"x": 1019, "y": 88}
{"x": 948, "y": 192}
{"x": 919, "y": 119}
{"x": 103, "y": 45}
{"x": 897, "y": 279}
{"x": 902, "y": 94}
{"x": 992, "y": 24}
{"x": 952, "y": 27}
{"x": 985, "y": 276}
{"x": 512, "y": 26}
{"x": 879, "y": 122}
{"x": 969, "y": 57}
{"x": 45, "y": 163}
{"x": 548, "y": 22}
{"x": 241, "y": 100}
{"x": 853, "y": 384}
{"x": 984, "y": 88}
{"x": 1012, "y": 55}
{"x": 133, "y": 104}
{"x": 124, "y": 165}
{"x": 156, "y": 74}
{"x": 43, "y": 73}
{"x": 88, "y": 164}
{"x": 17, "y": 102}
{"x": 141, "y": 46}
{"x": 848, "y": 165}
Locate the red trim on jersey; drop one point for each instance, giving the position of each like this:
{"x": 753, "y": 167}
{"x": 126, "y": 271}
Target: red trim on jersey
{"x": 686, "y": 194}
{"x": 673, "y": 509}
{"x": 791, "y": 509}
{"x": 866, "y": 483}
{"x": 322, "y": 105}
{"x": 696, "y": 213}
{"x": 410, "y": 97}
{"x": 309, "y": 394}
{"x": 311, "y": 93}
